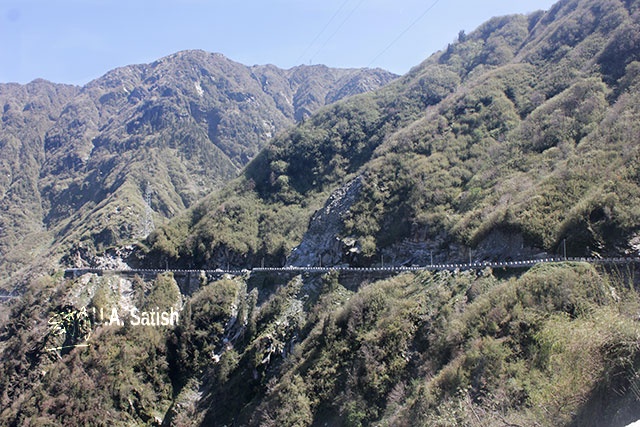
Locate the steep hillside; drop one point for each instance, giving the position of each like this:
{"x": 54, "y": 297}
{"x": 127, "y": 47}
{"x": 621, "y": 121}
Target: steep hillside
{"x": 557, "y": 346}
{"x": 175, "y": 129}
{"x": 28, "y": 112}
{"x": 518, "y": 137}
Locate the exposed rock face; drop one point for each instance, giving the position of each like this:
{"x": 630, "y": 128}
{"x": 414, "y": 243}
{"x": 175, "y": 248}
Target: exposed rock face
{"x": 118, "y": 258}
{"x": 501, "y": 245}
{"x": 634, "y": 244}
{"x": 184, "y": 409}
{"x": 498, "y": 245}
{"x": 75, "y": 161}
{"x": 321, "y": 244}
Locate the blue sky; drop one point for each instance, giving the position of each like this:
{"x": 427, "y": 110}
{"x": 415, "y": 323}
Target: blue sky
{"x": 75, "y": 41}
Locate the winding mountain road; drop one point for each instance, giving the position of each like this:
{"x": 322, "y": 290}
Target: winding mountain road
{"x": 313, "y": 269}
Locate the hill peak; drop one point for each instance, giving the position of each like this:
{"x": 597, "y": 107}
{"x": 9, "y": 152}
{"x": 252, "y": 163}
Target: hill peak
{"x": 185, "y": 124}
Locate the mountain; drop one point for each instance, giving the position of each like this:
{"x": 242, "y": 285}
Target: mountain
{"x": 514, "y": 140}
{"x": 28, "y": 112}
{"x": 77, "y": 161}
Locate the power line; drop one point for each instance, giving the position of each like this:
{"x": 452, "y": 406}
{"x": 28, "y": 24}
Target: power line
{"x": 338, "y": 29}
{"x": 403, "y": 33}
{"x": 323, "y": 29}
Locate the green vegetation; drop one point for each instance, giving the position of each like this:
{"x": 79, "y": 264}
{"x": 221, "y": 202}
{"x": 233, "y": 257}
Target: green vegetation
{"x": 527, "y": 126}
{"x": 109, "y": 375}
{"x": 439, "y": 349}
{"x": 558, "y": 345}
{"x": 75, "y": 163}
{"x": 521, "y": 125}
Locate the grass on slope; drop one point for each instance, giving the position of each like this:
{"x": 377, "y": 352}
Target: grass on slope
{"x": 547, "y": 348}
{"x": 522, "y": 125}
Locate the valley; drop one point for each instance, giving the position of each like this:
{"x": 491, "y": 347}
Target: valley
{"x": 455, "y": 246}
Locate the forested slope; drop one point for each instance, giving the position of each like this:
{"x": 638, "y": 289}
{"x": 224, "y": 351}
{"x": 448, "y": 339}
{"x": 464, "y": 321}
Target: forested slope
{"x": 522, "y": 133}
{"x": 78, "y": 162}
{"x": 515, "y": 137}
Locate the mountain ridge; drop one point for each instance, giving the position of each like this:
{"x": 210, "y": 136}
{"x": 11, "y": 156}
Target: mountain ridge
{"x": 179, "y": 127}
{"x": 522, "y": 135}
{"x": 529, "y": 91}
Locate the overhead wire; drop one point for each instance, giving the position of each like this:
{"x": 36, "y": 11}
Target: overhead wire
{"x": 338, "y": 28}
{"x": 323, "y": 29}
{"x": 402, "y": 33}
